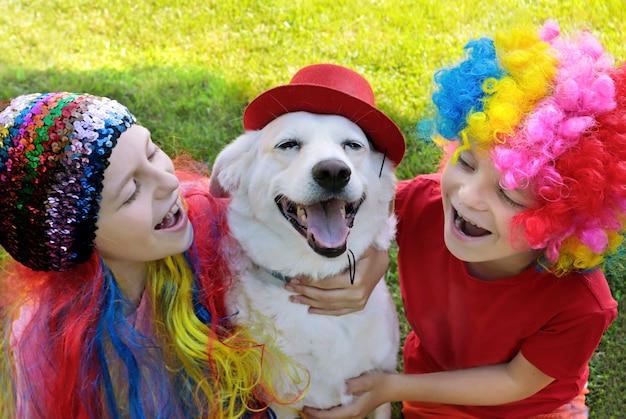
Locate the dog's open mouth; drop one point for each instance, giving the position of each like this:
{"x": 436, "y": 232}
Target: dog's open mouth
{"x": 325, "y": 225}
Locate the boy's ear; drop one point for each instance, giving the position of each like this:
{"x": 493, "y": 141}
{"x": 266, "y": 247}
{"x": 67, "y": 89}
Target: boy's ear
{"x": 232, "y": 164}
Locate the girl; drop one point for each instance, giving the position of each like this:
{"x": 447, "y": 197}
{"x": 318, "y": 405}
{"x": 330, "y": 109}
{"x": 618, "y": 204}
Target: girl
{"x": 499, "y": 255}
{"x": 113, "y": 297}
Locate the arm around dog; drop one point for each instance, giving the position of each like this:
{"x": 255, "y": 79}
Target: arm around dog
{"x": 335, "y": 295}
{"x": 487, "y": 386}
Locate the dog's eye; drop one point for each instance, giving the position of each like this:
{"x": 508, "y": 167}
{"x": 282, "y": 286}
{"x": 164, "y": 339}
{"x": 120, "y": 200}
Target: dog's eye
{"x": 353, "y": 145}
{"x": 288, "y": 144}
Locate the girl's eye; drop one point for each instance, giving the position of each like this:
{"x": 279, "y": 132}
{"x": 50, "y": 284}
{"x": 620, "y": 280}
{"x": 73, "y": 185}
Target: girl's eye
{"x": 134, "y": 195}
{"x": 152, "y": 153}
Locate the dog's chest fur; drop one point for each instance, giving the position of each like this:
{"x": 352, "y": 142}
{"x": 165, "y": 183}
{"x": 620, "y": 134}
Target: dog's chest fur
{"x": 332, "y": 348}
{"x": 277, "y": 181}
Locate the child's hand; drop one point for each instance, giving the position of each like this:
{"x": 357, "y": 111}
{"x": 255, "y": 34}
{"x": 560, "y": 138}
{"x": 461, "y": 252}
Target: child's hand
{"x": 335, "y": 295}
{"x": 367, "y": 390}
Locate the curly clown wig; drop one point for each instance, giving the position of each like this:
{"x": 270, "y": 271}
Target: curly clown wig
{"x": 551, "y": 112}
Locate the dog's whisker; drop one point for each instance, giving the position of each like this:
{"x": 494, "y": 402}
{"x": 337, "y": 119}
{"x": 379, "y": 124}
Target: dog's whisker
{"x": 380, "y": 173}
{"x": 351, "y": 266}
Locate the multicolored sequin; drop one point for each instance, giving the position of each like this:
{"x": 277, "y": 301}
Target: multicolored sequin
{"x": 54, "y": 149}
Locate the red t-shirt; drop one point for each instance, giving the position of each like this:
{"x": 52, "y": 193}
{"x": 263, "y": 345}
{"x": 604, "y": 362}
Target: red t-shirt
{"x": 460, "y": 322}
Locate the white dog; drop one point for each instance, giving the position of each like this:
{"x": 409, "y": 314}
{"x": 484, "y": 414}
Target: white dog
{"x": 309, "y": 195}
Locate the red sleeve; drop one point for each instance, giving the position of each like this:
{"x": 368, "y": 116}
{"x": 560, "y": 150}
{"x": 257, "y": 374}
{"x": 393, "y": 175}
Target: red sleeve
{"x": 562, "y": 348}
{"x": 412, "y": 196}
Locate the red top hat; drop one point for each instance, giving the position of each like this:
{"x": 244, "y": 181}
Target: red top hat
{"x": 333, "y": 90}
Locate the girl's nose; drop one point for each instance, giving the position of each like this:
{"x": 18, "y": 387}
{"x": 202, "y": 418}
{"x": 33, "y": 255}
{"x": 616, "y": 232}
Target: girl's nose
{"x": 166, "y": 183}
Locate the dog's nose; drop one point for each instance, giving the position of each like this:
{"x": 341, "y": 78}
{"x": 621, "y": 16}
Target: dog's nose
{"x": 332, "y": 175}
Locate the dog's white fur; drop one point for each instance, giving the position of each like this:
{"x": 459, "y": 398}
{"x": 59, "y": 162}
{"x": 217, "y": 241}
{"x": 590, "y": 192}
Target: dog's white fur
{"x": 278, "y": 161}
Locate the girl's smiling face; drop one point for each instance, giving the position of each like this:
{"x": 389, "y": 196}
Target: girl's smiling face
{"x": 140, "y": 217}
{"x": 478, "y": 218}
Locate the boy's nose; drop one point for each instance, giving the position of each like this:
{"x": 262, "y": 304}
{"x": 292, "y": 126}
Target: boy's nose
{"x": 473, "y": 196}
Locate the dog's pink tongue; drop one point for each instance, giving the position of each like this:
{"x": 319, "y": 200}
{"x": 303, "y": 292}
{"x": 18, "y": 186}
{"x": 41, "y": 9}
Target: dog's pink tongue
{"x": 326, "y": 225}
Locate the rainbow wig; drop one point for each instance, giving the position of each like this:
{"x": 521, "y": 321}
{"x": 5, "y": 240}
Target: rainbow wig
{"x": 95, "y": 359}
{"x": 73, "y": 345}
{"x": 551, "y": 113}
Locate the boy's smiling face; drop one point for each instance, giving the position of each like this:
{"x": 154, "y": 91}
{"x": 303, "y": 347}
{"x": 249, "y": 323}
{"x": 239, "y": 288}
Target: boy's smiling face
{"x": 478, "y": 216}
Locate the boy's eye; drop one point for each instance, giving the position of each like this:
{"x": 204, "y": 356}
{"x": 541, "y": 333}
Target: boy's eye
{"x": 511, "y": 201}
{"x": 463, "y": 163}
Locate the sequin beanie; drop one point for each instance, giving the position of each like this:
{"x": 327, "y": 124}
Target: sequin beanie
{"x": 54, "y": 149}
{"x": 550, "y": 111}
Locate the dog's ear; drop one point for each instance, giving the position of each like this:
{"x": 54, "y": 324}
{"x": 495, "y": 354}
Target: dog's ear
{"x": 216, "y": 189}
{"x": 232, "y": 163}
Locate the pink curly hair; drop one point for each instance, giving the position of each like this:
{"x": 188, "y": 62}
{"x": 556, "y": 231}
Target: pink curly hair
{"x": 569, "y": 151}
{"x": 582, "y": 189}
{"x": 551, "y": 112}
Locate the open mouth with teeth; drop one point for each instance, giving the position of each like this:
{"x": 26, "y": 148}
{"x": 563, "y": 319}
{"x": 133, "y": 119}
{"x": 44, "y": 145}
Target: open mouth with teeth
{"x": 325, "y": 225}
{"x": 468, "y": 228}
{"x": 171, "y": 218}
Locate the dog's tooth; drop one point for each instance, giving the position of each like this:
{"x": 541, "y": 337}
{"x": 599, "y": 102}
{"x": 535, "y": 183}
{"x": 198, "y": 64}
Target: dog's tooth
{"x": 301, "y": 213}
{"x": 343, "y": 210}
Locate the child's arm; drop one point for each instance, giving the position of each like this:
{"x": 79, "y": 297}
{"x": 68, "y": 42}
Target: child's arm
{"x": 335, "y": 295}
{"x": 481, "y": 386}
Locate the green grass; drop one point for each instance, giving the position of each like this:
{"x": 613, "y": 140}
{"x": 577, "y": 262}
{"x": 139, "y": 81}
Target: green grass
{"x": 187, "y": 68}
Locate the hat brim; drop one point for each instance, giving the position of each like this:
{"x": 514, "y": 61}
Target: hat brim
{"x": 381, "y": 130}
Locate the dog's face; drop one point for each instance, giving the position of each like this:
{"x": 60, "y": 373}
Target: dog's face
{"x": 305, "y": 180}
